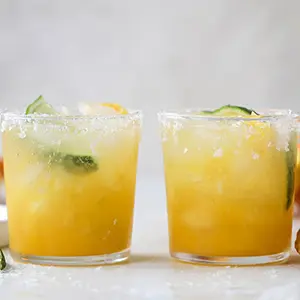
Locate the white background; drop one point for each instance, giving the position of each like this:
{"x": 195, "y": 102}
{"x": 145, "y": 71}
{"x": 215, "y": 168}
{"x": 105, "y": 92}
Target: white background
{"x": 151, "y": 55}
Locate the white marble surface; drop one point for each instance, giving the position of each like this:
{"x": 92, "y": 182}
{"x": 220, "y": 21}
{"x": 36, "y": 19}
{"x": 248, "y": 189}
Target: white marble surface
{"x": 151, "y": 274}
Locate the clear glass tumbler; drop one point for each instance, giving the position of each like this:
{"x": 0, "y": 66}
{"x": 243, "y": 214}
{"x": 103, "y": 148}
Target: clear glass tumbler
{"x": 297, "y": 183}
{"x": 70, "y": 187}
{"x": 229, "y": 185}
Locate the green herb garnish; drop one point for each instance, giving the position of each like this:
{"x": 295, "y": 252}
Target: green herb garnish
{"x": 2, "y": 261}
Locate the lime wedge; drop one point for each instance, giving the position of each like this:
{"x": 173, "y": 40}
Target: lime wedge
{"x": 40, "y": 106}
{"x": 2, "y": 260}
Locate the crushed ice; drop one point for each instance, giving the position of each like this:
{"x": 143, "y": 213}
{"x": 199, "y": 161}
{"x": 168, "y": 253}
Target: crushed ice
{"x": 22, "y": 134}
{"x": 218, "y": 153}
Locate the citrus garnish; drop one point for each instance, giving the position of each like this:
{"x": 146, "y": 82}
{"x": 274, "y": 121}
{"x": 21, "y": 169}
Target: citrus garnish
{"x": 102, "y": 109}
{"x": 116, "y": 107}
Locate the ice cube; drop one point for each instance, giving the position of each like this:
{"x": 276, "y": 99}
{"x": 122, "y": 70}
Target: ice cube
{"x": 33, "y": 172}
{"x": 218, "y": 153}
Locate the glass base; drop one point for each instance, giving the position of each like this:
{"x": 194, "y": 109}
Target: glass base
{"x": 94, "y": 260}
{"x": 232, "y": 261}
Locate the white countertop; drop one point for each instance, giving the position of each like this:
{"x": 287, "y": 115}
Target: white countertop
{"x": 151, "y": 274}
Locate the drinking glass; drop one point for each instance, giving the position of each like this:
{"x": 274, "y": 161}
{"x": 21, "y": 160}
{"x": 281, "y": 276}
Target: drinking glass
{"x": 229, "y": 186}
{"x": 70, "y": 186}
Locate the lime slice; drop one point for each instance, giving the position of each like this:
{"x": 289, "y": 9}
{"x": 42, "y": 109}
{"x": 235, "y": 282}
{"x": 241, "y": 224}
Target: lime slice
{"x": 231, "y": 111}
{"x": 2, "y": 260}
{"x": 40, "y": 106}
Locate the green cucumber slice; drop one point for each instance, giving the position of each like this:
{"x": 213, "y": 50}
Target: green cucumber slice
{"x": 206, "y": 112}
{"x": 73, "y": 153}
{"x": 40, "y": 106}
{"x": 73, "y": 163}
{"x": 291, "y": 157}
{"x": 2, "y": 261}
{"x": 230, "y": 111}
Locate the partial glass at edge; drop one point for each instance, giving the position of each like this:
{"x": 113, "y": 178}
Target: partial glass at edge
{"x": 70, "y": 187}
{"x": 230, "y": 186}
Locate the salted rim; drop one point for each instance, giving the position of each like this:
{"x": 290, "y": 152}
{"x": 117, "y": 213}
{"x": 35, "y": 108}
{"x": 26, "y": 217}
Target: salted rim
{"x": 132, "y": 114}
{"x": 190, "y": 114}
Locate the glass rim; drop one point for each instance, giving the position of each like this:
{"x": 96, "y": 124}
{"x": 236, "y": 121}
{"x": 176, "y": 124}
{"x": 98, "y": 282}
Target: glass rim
{"x": 132, "y": 114}
{"x": 189, "y": 114}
